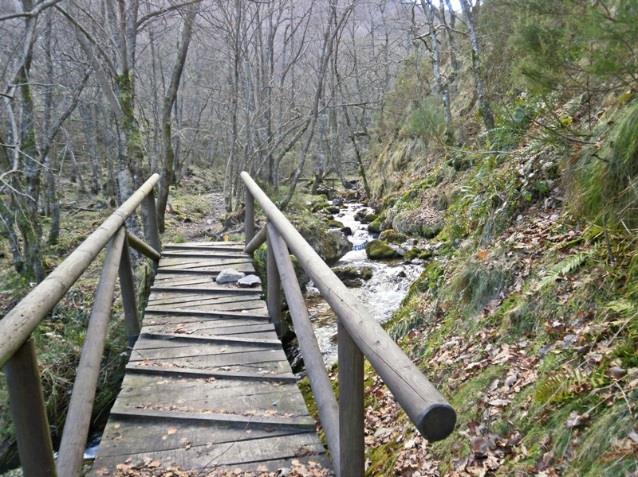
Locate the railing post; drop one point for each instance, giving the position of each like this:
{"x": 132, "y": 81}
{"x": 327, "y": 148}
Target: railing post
{"x": 129, "y": 300}
{"x": 29, "y": 413}
{"x": 351, "y": 413}
{"x": 78, "y": 418}
{"x": 273, "y": 288}
{"x": 151, "y": 227}
{"x": 249, "y": 217}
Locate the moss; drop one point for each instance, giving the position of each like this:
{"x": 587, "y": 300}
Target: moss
{"x": 379, "y": 250}
{"x": 392, "y": 236}
{"x": 375, "y": 225}
{"x": 418, "y": 253}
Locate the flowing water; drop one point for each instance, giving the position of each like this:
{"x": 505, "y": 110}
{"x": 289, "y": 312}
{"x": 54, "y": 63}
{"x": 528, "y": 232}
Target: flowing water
{"x": 381, "y": 295}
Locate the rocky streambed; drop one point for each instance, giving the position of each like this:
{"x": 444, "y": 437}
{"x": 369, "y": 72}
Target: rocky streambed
{"x": 380, "y": 285}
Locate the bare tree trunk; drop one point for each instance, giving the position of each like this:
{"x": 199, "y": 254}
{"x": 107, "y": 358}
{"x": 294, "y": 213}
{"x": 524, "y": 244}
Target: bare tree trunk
{"x": 484, "y": 106}
{"x": 435, "y": 53}
{"x": 168, "y": 169}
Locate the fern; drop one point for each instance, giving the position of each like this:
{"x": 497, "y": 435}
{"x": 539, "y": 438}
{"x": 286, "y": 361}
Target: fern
{"x": 566, "y": 267}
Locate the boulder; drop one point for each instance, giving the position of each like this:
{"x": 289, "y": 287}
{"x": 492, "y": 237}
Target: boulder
{"x": 392, "y": 236}
{"x": 347, "y": 231}
{"x": 375, "y": 226}
{"x": 228, "y": 275}
{"x": 349, "y": 272}
{"x": 249, "y": 281}
{"x": 379, "y": 250}
{"x": 334, "y": 246}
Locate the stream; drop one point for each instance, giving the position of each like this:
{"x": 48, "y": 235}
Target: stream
{"x": 381, "y": 295}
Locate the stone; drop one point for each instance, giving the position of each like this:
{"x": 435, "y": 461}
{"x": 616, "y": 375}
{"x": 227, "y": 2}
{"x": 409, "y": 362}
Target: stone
{"x": 335, "y": 246}
{"x": 392, "y": 236}
{"x": 349, "y": 272}
{"x": 347, "y": 231}
{"x": 228, "y": 275}
{"x": 375, "y": 226}
{"x": 249, "y": 281}
{"x": 353, "y": 282}
{"x": 379, "y": 250}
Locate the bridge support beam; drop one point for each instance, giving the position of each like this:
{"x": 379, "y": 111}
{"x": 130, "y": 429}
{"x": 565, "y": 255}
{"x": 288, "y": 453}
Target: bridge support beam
{"x": 29, "y": 413}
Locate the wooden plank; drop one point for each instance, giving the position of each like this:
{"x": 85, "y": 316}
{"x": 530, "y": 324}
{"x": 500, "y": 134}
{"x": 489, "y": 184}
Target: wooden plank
{"x": 265, "y": 331}
{"x": 208, "y": 306}
{"x": 193, "y": 300}
{"x": 240, "y": 400}
{"x": 206, "y": 314}
{"x": 203, "y": 261}
{"x": 213, "y": 353}
{"x": 204, "y": 253}
{"x": 242, "y": 421}
{"x": 140, "y": 435}
{"x": 203, "y": 373}
{"x": 207, "y": 287}
{"x": 235, "y": 244}
{"x": 244, "y": 454}
{"x": 188, "y": 339}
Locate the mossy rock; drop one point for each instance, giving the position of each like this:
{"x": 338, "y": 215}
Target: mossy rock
{"x": 375, "y": 225}
{"x": 380, "y": 250}
{"x": 335, "y": 224}
{"x": 392, "y": 236}
{"x": 417, "y": 253}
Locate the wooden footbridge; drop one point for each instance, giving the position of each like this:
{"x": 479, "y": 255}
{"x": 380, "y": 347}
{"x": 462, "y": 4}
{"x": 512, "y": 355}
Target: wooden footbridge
{"x": 207, "y": 387}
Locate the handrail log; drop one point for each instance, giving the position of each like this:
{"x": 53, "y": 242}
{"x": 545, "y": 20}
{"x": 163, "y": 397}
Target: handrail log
{"x": 19, "y": 323}
{"x": 142, "y": 247}
{"x": 78, "y": 418}
{"x": 317, "y": 374}
{"x": 256, "y": 241}
{"x": 426, "y": 407}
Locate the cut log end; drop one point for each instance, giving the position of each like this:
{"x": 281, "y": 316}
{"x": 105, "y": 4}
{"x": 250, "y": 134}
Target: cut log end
{"x": 437, "y": 422}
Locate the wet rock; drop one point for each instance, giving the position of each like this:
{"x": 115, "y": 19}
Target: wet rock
{"x": 379, "y": 250}
{"x": 335, "y": 224}
{"x": 375, "y": 225}
{"x": 338, "y": 201}
{"x": 353, "y": 282}
{"x": 392, "y": 236}
{"x": 249, "y": 281}
{"x": 228, "y": 275}
{"x": 347, "y": 231}
{"x": 349, "y": 272}
{"x": 365, "y": 216}
{"x": 332, "y": 209}
{"x": 334, "y": 246}
{"x": 312, "y": 292}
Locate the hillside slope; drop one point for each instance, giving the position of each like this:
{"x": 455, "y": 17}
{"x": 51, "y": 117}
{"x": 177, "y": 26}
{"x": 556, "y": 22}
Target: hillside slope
{"x": 526, "y": 316}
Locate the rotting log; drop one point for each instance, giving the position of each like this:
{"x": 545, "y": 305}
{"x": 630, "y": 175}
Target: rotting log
{"x": 142, "y": 247}
{"x": 256, "y": 241}
{"x": 78, "y": 419}
{"x": 426, "y": 407}
{"x": 29, "y": 413}
{"x": 19, "y": 323}
{"x": 315, "y": 367}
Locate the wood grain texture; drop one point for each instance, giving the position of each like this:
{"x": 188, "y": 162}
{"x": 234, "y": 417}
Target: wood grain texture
{"x": 208, "y": 385}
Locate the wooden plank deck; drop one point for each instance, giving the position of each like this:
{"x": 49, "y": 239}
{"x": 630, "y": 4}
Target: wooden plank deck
{"x": 207, "y": 386}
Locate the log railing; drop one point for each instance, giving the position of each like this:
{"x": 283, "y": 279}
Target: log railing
{"x": 359, "y": 336}
{"x": 17, "y": 352}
